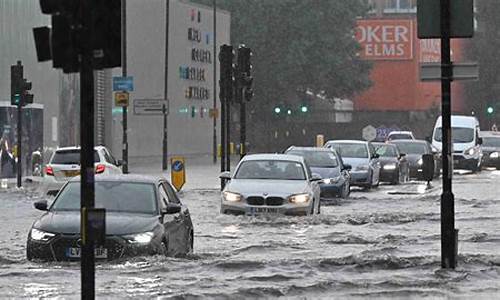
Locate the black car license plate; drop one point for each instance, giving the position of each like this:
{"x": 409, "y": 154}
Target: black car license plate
{"x": 77, "y": 252}
{"x": 266, "y": 210}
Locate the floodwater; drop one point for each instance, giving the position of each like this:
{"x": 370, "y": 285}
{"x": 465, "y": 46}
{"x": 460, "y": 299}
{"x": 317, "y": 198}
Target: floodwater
{"x": 377, "y": 244}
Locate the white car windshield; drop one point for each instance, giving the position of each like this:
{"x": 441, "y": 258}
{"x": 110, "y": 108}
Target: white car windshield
{"x": 69, "y": 157}
{"x": 317, "y": 159}
{"x": 491, "y": 142}
{"x": 459, "y": 134}
{"x": 114, "y": 196}
{"x": 270, "y": 169}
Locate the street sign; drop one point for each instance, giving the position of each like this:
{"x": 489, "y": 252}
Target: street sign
{"x": 369, "y": 133}
{"x": 429, "y": 19}
{"x": 460, "y": 71}
{"x": 123, "y": 84}
{"x": 121, "y": 99}
{"x": 177, "y": 172}
{"x": 151, "y": 107}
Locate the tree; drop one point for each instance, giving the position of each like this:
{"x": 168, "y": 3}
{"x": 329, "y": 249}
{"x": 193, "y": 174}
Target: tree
{"x": 483, "y": 48}
{"x": 298, "y": 43}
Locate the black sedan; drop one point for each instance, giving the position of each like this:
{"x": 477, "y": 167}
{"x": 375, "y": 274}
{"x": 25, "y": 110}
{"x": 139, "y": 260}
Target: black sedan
{"x": 491, "y": 149}
{"x": 143, "y": 216}
{"x": 393, "y": 163}
{"x": 414, "y": 149}
{"x": 328, "y": 164}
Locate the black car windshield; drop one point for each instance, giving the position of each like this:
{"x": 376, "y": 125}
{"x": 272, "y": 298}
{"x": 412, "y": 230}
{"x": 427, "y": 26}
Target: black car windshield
{"x": 317, "y": 159}
{"x": 114, "y": 196}
{"x": 270, "y": 169}
{"x": 70, "y": 157}
{"x": 412, "y": 148}
{"x": 387, "y": 151}
{"x": 459, "y": 134}
{"x": 351, "y": 150}
{"x": 399, "y": 136}
{"x": 491, "y": 142}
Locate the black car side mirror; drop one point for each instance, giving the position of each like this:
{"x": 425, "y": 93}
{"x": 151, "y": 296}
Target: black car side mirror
{"x": 401, "y": 155}
{"x": 375, "y": 155}
{"x": 41, "y": 205}
{"x": 172, "y": 208}
{"x": 225, "y": 175}
{"x": 119, "y": 163}
{"x": 347, "y": 167}
{"x": 479, "y": 140}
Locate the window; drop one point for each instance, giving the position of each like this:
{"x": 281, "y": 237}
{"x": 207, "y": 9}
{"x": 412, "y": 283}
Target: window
{"x": 400, "y": 6}
{"x": 70, "y": 157}
{"x": 108, "y": 157}
{"x": 271, "y": 169}
{"x": 170, "y": 193}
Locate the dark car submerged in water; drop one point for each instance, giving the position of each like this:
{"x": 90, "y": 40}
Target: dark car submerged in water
{"x": 143, "y": 216}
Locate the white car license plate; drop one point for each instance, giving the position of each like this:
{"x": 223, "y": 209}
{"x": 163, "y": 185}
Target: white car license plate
{"x": 267, "y": 210}
{"x": 76, "y": 252}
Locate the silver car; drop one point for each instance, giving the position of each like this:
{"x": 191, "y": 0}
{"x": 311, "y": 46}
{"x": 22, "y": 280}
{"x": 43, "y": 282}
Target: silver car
{"x": 271, "y": 184}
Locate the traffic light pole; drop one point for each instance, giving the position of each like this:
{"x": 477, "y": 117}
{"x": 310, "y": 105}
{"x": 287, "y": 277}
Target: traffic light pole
{"x": 87, "y": 152}
{"x": 448, "y": 231}
{"x": 164, "y": 154}
{"x": 214, "y": 114}
{"x": 228, "y": 129}
{"x": 243, "y": 126}
{"x": 19, "y": 142}
{"x": 124, "y": 74}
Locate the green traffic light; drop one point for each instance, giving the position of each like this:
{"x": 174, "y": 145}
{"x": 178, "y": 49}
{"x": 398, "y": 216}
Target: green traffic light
{"x": 304, "y": 109}
{"x": 489, "y": 110}
{"x": 289, "y": 112}
{"x": 277, "y": 110}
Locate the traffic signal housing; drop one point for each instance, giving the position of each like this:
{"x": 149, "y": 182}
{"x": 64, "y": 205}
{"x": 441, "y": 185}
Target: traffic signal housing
{"x": 19, "y": 86}
{"x": 226, "y": 57}
{"x": 243, "y": 74}
{"x": 490, "y": 110}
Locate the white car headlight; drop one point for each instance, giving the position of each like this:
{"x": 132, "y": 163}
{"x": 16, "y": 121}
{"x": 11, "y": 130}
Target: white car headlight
{"x": 40, "y": 235}
{"x": 231, "y": 197}
{"x": 140, "y": 238}
{"x": 390, "y": 167}
{"x": 420, "y": 162}
{"x": 494, "y": 155}
{"x": 470, "y": 151}
{"x": 299, "y": 198}
{"x": 362, "y": 168}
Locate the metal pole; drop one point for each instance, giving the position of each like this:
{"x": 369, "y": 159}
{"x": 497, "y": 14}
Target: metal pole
{"x": 164, "y": 155}
{"x": 243, "y": 126}
{"x": 214, "y": 148}
{"x": 124, "y": 74}
{"x": 87, "y": 153}
{"x": 19, "y": 141}
{"x": 223, "y": 101}
{"x": 228, "y": 128}
{"x": 448, "y": 232}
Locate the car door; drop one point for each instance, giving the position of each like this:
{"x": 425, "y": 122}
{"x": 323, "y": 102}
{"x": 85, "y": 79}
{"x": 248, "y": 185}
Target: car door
{"x": 177, "y": 225}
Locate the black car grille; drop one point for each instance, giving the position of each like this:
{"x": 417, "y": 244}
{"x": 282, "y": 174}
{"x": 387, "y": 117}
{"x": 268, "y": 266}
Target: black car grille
{"x": 62, "y": 243}
{"x": 271, "y": 201}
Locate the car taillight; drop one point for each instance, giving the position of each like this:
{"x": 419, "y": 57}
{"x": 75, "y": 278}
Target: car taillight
{"x": 100, "y": 169}
{"x": 49, "y": 171}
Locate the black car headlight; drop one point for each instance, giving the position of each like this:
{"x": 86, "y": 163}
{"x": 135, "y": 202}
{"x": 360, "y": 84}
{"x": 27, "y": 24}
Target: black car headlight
{"x": 140, "y": 238}
{"x": 40, "y": 235}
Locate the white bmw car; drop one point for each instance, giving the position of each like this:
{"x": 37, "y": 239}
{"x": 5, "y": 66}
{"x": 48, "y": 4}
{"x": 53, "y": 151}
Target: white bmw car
{"x": 65, "y": 164}
{"x": 271, "y": 184}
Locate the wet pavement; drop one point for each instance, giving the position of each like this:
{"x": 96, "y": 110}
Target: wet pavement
{"x": 383, "y": 243}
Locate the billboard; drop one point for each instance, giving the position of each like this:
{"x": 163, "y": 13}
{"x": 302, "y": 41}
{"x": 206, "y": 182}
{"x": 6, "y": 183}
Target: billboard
{"x": 389, "y": 39}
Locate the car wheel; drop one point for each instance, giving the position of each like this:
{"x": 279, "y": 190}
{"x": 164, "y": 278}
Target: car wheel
{"x": 29, "y": 255}
{"x": 191, "y": 243}
{"x": 165, "y": 247}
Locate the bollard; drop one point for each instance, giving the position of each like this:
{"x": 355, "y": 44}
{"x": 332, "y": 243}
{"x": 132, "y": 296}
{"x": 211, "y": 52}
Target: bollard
{"x": 320, "y": 140}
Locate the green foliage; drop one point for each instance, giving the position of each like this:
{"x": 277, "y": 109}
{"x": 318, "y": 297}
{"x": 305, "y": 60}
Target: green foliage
{"x": 300, "y": 43}
{"x": 483, "y": 48}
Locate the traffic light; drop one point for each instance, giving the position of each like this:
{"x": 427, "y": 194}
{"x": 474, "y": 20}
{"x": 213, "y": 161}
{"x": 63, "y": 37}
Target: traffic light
{"x": 490, "y": 110}
{"x": 226, "y": 56}
{"x": 304, "y": 108}
{"x": 19, "y": 86}
{"x": 63, "y": 42}
{"x": 277, "y": 110}
{"x": 243, "y": 74}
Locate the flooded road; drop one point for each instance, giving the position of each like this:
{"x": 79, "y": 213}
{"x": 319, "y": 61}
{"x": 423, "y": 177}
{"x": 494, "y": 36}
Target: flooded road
{"x": 383, "y": 243}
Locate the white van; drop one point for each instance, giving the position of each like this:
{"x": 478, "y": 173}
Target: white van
{"x": 467, "y": 152}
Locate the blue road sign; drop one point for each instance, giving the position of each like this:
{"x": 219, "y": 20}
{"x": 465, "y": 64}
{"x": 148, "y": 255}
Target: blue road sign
{"x": 177, "y": 166}
{"x": 123, "y": 84}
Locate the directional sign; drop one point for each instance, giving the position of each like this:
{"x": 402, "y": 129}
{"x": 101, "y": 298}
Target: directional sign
{"x": 150, "y": 107}
{"x": 123, "y": 84}
{"x": 121, "y": 99}
{"x": 461, "y": 71}
{"x": 369, "y": 133}
{"x": 177, "y": 172}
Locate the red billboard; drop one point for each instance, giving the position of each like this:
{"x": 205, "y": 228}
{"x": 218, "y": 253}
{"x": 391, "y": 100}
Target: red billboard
{"x": 389, "y": 39}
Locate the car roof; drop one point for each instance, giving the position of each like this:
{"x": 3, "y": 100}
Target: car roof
{"x": 273, "y": 156}
{"x": 77, "y": 148}
{"x": 408, "y": 142}
{"x": 383, "y": 144}
{"x": 124, "y": 178}
{"x": 494, "y": 134}
{"x": 304, "y": 148}
{"x": 346, "y": 142}
{"x": 400, "y": 132}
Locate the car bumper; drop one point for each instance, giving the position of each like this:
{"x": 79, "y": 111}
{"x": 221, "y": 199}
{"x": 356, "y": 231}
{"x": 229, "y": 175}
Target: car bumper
{"x": 331, "y": 190}
{"x": 464, "y": 162}
{"x": 491, "y": 162}
{"x": 361, "y": 178}
{"x": 389, "y": 175}
{"x": 243, "y": 208}
{"x": 116, "y": 247}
